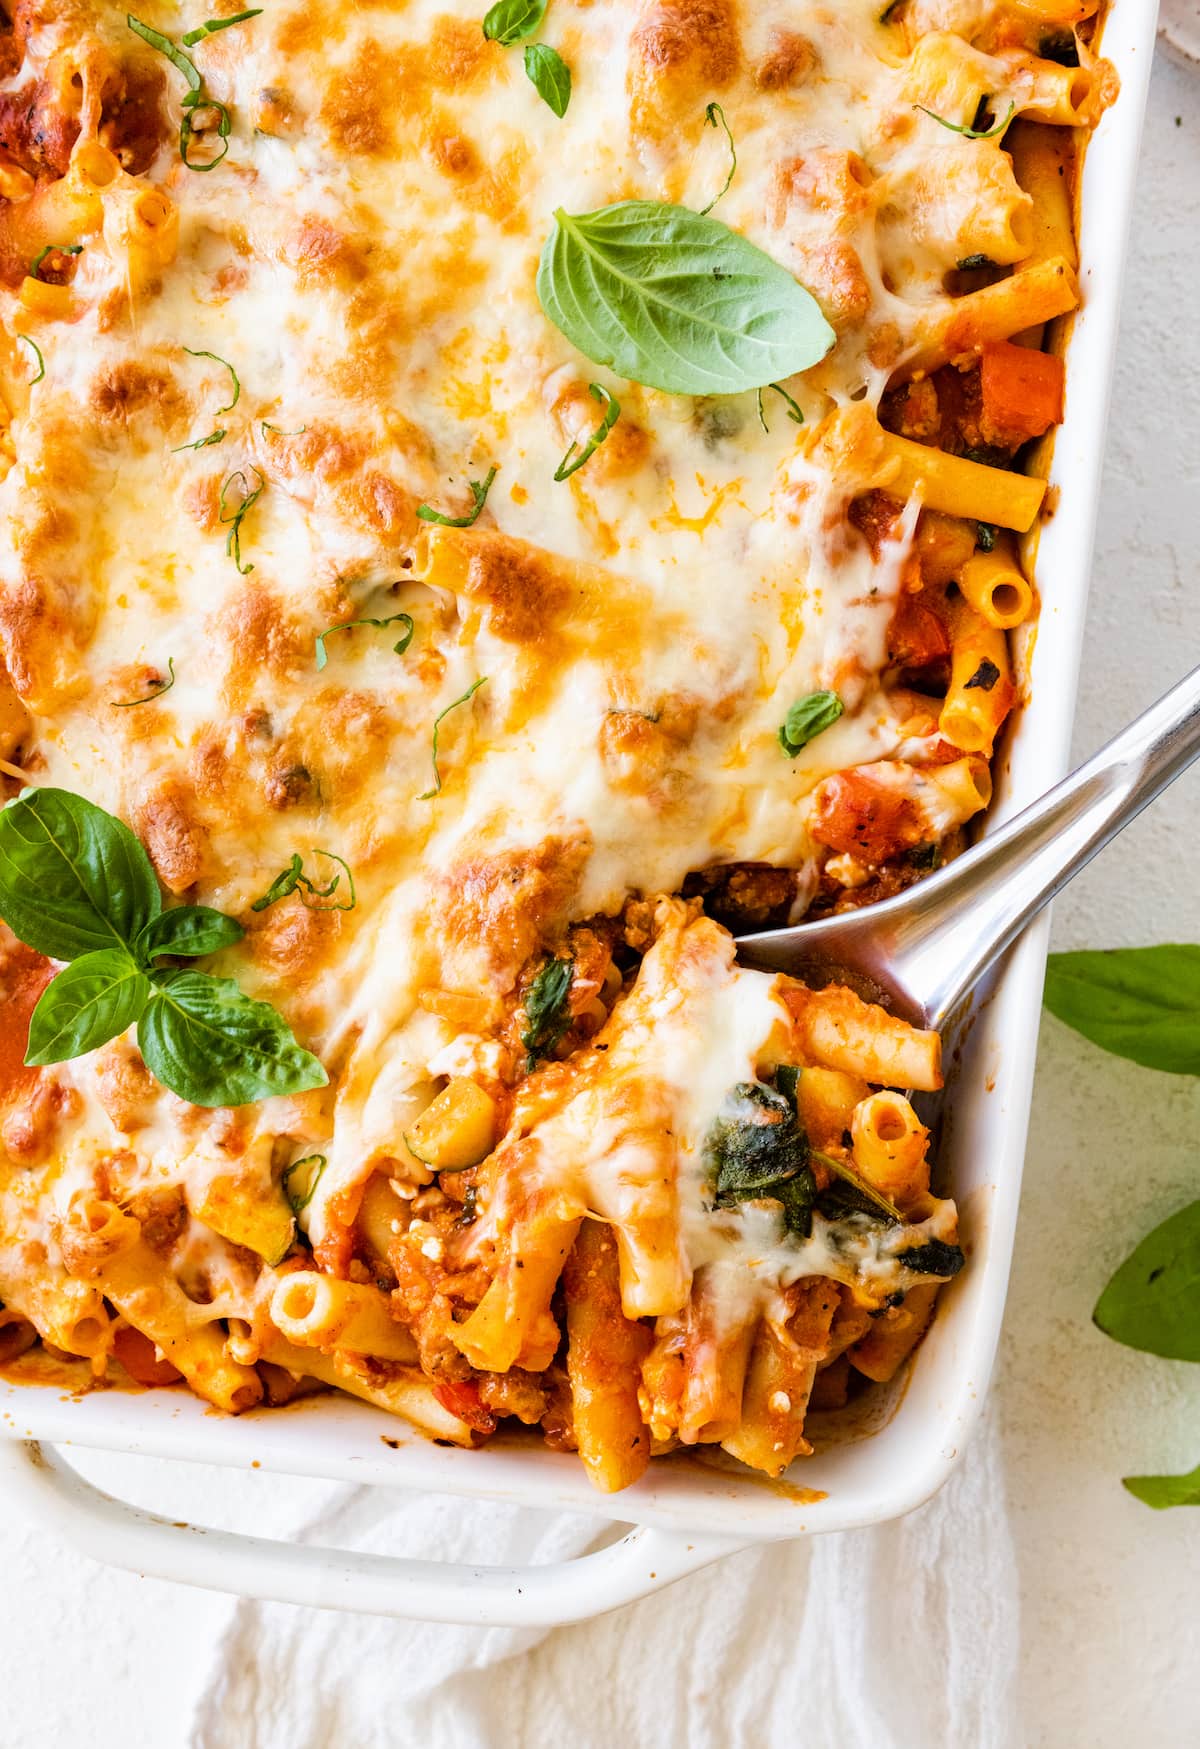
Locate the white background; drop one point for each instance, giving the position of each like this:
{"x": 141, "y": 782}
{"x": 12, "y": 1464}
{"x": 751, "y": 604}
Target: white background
{"x": 1109, "y": 1615}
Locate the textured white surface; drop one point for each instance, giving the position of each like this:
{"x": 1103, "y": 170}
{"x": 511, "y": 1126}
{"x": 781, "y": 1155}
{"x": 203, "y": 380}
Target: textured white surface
{"x": 1106, "y": 1639}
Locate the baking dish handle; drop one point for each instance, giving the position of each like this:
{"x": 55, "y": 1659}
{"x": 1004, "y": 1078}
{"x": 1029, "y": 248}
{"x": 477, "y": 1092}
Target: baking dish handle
{"x": 38, "y": 1478}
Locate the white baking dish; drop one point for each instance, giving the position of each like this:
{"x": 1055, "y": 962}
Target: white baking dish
{"x": 901, "y": 1448}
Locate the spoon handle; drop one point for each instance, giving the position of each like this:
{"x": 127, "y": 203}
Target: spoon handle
{"x": 969, "y": 913}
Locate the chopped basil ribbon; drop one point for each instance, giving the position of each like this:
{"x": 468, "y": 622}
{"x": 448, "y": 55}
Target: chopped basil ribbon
{"x": 293, "y": 879}
{"x": 711, "y": 115}
{"x": 549, "y": 75}
{"x": 219, "y": 435}
{"x": 77, "y": 886}
{"x": 37, "y": 353}
{"x": 670, "y": 298}
{"x": 233, "y": 545}
{"x": 196, "y": 96}
{"x": 571, "y": 463}
{"x": 479, "y": 491}
{"x": 300, "y": 1181}
{"x": 794, "y": 412}
{"x": 437, "y": 723}
{"x": 808, "y": 718}
{"x": 160, "y": 687}
{"x": 972, "y": 132}
{"x": 510, "y": 20}
{"x": 345, "y": 625}
{"x": 265, "y": 426}
{"x": 52, "y": 249}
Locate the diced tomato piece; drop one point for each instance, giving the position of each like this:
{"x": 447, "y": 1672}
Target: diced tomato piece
{"x": 461, "y": 1398}
{"x": 137, "y": 1355}
{"x": 1022, "y": 391}
{"x": 916, "y": 637}
{"x": 863, "y": 817}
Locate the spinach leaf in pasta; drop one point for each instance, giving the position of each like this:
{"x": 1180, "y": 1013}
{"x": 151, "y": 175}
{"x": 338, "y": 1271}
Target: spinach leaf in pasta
{"x": 676, "y": 300}
{"x": 547, "y": 1014}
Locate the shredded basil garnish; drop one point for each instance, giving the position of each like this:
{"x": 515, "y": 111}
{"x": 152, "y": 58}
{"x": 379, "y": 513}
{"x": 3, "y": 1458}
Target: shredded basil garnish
{"x": 985, "y": 535}
{"x": 794, "y": 411}
{"x": 196, "y": 97}
{"x": 52, "y": 249}
{"x": 712, "y": 115}
{"x": 233, "y": 545}
{"x": 972, "y": 132}
{"x": 344, "y": 625}
{"x": 984, "y": 677}
{"x": 160, "y": 687}
{"x": 437, "y": 723}
{"x": 479, "y": 491}
{"x": 571, "y": 463}
{"x": 37, "y": 353}
{"x": 293, "y": 879}
{"x": 300, "y": 1181}
{"x": 265, "y": 426}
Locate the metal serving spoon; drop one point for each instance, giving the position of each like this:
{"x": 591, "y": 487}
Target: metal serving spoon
{"x": 924, "y": 951}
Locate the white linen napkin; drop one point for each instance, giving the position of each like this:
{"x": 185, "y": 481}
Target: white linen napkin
{"x": 901, "y": 1637}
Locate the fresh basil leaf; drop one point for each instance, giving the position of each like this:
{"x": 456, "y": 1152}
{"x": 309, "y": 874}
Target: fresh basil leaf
{"x": 189, "y": 931}
{"x": 808, "y": 718}
{"x": 572, "y": 462}
{"x": 212, "y": 1045}
{"x": 37, "y": 353}
{"x": 712, "y": 114}
{"x": 1153, "y": 1300}
{"x": 94, "y": 999}
{"x": 1137, "y": 1002}
{"x": 1163, "y": 1491}
{"x": 510, "y": 20}
{"x": 427, "y": 795}
{"x": 72, "y": 878}
{"x": 972, "y": 132}
{"x": 547, "y": 1011}
{"x": 675, "y": 300}
{"x": 300, "y": 1181}
{"x": 549, "y": 74}
{"x": 398, "y": 648}
{"x": 479, "y": 492}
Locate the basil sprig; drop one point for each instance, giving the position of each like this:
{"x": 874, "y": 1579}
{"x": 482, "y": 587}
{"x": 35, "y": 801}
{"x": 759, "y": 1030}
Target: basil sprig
{"x": 808, "y": 718}
{"x": 1137, "y": 1002}
{"x": 76, "y": 885}
{"x": 675, "y": 300}
{"x": 572, "y": 461}
{"x": 196, "y": 97}
{"x": 549, "y": 75}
